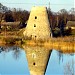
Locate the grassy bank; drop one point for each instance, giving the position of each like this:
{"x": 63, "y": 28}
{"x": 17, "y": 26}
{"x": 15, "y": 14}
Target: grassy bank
{"x": 63, "y": 44}
{"x": 10, "y": 40}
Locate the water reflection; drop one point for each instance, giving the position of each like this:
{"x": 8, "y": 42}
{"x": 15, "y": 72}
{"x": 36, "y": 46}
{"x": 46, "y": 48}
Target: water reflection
{"x": 63, "y": 66}
{"x": 16, "y": 52}
{"x": 2, "y": 49}
{"x": 13, "y": 61}
{"x": 60, "y": 55}
{"x": 37, "y": 59}
{"x": 69, "y": 68}
{"x": 9, "y": 65}
{"x": 69, "y": 65}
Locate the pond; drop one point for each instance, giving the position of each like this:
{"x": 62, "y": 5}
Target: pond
{"x": 13, "y": 61}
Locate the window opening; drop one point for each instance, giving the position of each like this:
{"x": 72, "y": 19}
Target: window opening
{"x": 34, "y": 25}
{"x": 35, "y": 17}
{"x": 34, "y": 63}
{"x": 35, "y": 36}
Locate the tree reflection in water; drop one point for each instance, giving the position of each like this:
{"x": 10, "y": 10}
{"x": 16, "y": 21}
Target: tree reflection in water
{"x": 16, "y": 52}
{"x": 2, "y": 49}
{"x": 60, "y": 55}
{"x": 69, "y": 68}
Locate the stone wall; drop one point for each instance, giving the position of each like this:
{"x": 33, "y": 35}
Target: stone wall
{"x": 38, "y": 26}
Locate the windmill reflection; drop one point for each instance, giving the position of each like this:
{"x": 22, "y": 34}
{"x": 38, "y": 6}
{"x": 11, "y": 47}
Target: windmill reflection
{"x": 37, "y": 58}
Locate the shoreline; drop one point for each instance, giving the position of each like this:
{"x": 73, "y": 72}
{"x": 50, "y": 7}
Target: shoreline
{"x": 64, "y": 46}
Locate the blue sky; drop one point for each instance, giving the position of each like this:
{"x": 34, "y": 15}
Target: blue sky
{"x": 55, "y": 5}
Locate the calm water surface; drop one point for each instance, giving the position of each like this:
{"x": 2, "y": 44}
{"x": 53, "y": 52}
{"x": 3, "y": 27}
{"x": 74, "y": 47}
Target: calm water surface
{"x": 13, "y": 62}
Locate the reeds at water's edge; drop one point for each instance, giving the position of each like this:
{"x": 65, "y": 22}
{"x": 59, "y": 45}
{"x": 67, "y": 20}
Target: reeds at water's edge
{"x": 65, "y": 44}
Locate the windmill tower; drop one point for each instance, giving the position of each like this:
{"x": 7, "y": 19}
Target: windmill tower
{"x": 37, "y": 58}
{"x": 38, "y": 26}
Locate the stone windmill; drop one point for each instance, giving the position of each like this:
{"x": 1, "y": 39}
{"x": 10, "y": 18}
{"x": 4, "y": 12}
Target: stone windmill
{"x": 38, "y": 26}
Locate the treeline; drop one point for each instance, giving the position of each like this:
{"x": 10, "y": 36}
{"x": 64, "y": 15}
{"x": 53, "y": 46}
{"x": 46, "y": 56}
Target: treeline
{"x": 63, "y": 15}
{"x": 55, "y": 18}
{"x": 58, "y": 21}
{"x": 11, "y": 15}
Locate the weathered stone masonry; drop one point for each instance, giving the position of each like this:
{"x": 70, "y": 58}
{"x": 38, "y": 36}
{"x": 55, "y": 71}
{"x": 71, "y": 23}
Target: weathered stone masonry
{"x": 38, "y": 26}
